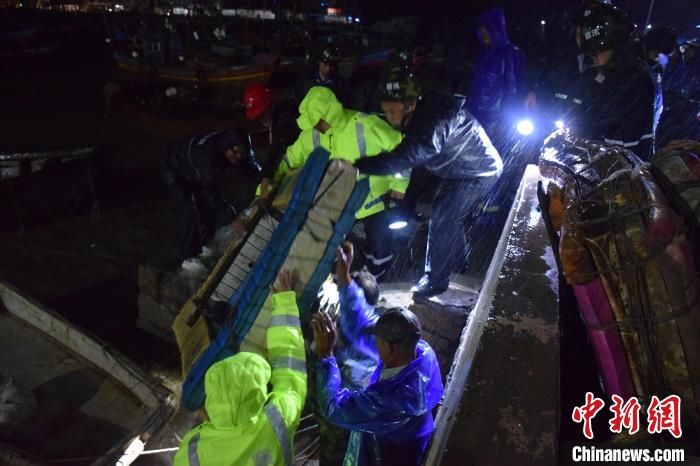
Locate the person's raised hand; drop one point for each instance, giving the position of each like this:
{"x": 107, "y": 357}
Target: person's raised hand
{"x": 265, "y": 187}
{"x": 345, "y": 255}
{"x": 325, "y": 334}
{"x": 284, "y": 282}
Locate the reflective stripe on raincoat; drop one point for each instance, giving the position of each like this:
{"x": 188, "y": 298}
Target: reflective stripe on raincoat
{"x": 246, "y": 425}
{"x": 352, "y": 135}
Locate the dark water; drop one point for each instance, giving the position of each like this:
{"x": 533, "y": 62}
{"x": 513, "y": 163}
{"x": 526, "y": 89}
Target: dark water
{"x": 53, "y": 248}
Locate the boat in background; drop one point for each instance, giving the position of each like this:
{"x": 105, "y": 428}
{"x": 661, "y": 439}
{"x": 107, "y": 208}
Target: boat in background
{"x": 39, "y": 185}
{"x": 210, "y": 74}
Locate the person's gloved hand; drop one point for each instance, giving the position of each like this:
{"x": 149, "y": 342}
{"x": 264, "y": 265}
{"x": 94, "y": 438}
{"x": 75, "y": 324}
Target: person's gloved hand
{"x": 402, "y": 207}
{"x": 265, "y": 185}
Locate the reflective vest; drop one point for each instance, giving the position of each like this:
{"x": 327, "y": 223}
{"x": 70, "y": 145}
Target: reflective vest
{"x": 359, "y": 135}
{"x": 247, "y": 425}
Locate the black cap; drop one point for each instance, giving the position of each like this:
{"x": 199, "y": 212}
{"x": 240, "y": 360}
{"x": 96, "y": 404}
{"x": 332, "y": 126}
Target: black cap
{"x": 235, "y": 137}
{"x": 398, "y": 326}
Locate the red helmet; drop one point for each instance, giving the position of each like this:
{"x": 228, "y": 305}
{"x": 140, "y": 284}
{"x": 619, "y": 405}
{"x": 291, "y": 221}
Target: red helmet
{"x": 256, "y": 99}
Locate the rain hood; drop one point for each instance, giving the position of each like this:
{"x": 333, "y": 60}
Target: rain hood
{"x": 320, "y": 104}
{"x": 499, "y": 73}
{"x": 236, "y": 389}
{"x": 494, "y": 21}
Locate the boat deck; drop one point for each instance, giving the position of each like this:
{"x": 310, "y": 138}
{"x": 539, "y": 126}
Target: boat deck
{"x": 82, "y": 412}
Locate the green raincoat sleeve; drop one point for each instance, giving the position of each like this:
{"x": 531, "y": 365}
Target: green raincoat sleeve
{"x": 296, "y": 154}
{"x": 285, "y": 346}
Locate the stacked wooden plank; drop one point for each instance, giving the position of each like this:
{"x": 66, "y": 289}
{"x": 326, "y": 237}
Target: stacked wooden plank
{"x": 623, "y": 249}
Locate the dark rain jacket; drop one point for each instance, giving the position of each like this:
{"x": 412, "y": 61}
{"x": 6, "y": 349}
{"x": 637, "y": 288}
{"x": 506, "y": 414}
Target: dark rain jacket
{"x": 681, "y": 116}
{"x": 391, "y": 420}
{"x": 614, "y": 103}
{"x": 283, "y": 132}
{"x": 683, "y": 78}
{"x": 313, "y": 79}
{"x": 192, "y": 166}
{"x": 499, "y": 73}
{"x": 446, "y": 140}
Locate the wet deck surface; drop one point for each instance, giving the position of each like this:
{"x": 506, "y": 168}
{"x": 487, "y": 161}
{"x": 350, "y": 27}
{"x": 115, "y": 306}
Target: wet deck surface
{"x": 510, "y": 405}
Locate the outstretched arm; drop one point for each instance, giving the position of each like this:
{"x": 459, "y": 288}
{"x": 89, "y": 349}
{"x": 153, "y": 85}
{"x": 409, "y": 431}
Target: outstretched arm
{"x": 285, "y": 346}
{"x": 416, "y": 149}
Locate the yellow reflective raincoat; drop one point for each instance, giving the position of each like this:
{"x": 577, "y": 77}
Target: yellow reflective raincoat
{"x": 247, "y": 425}
{"x": 352, "y": 135}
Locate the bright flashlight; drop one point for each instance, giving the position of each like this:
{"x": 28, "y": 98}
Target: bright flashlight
{"x": 559, "y": 124}
{"x": 525, "y": 127}
{"x": 398, "y": 224}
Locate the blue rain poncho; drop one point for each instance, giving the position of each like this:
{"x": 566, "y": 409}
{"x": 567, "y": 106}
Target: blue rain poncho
{"x": 391, "y": 420}
{"x": 499, "y": 72}
{"x": 355, "y": 352}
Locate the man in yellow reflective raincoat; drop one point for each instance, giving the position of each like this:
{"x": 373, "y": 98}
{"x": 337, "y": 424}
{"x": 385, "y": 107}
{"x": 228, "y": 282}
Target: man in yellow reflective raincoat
{"x": 350, "y": 135}
{"x": 245, "y": 425}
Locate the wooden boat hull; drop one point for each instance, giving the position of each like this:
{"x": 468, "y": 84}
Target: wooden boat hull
{"x": 220, "y": 78}
{"x": 92, "y": 401}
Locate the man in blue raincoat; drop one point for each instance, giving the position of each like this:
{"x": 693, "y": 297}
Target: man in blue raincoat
{"x": 355, "y": 352}
{"x": 499, "y": 73}
{"x": 493, "y": 98}
{"x": 391, "y": 419}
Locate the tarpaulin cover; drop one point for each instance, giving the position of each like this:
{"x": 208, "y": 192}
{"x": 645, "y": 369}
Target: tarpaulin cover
{"x": 624, "y": 250}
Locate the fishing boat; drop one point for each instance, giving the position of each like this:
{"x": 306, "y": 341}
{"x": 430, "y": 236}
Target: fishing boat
{"x": 19, "y": 164}
{"x": 77, "y": 401}
{"x": 178, "y": 116}
{"x": 36, "y": 185}
{"x": 213, "y": 74}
